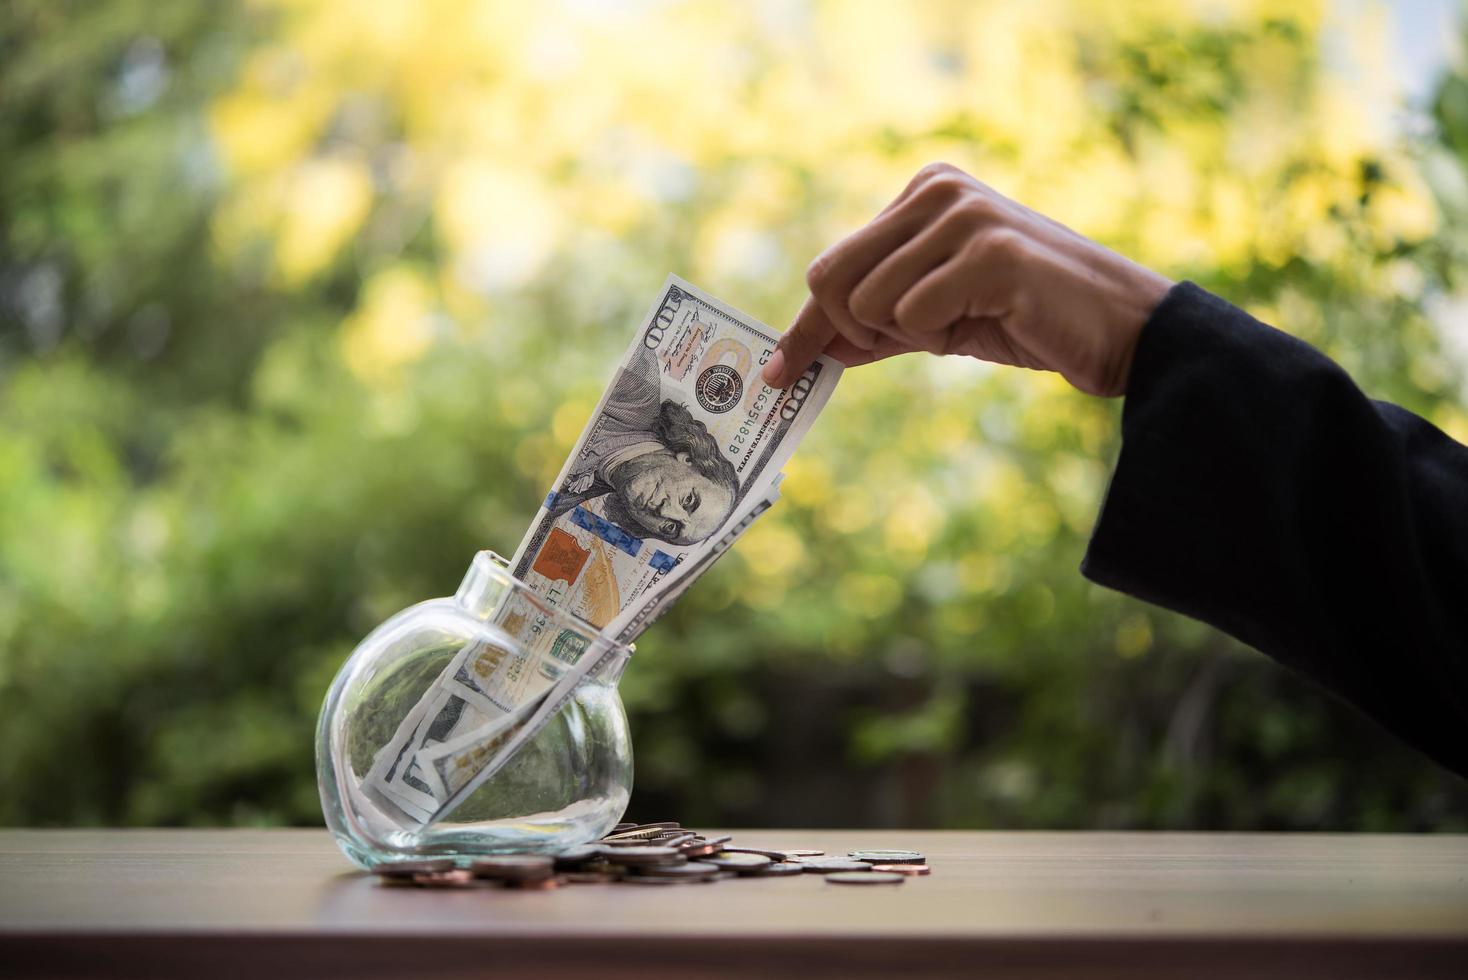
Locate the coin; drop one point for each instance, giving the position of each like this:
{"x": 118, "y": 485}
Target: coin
{"x": 407, "y": 869}
{"x": 650, "y": 880}
{"x": 772, "y": 855}
{"x": 865, "y": 878}
{"x": 701, "y": 847}
{"x": 577, "y": 856}
{"x": 674, "y": 840}
{"x": 603, "y": 867}
{"x": 457, "y": 878}
{"x": 643, "y": 831}
{"x": 889, "y": 857}
{"x": 638, "y": 838}
{"x": 828, "y": 865}
{"x": 514, "y": 867}
{"x": 778, "y": 870}
{"x": 637, "y": 835}
{"x": 742, "y": 863}
{"x": 534, "y": 884}
{"x": 691, "y": 869}
{"x": 649, "y": 855}
{"x": 652, "y": 854}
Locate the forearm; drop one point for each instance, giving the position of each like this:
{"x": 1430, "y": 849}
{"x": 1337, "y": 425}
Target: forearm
{"x": 1260, "y": 491}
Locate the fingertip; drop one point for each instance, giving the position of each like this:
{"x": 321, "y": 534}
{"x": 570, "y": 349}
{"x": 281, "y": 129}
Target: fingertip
{"x": 774, "y": 369}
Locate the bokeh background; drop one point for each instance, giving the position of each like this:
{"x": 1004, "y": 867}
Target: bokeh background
{"x": 301, "y": 303}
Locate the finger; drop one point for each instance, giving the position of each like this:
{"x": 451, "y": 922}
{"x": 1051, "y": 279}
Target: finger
{"x": 835, "y": 272}
{"x": 799, "y": 346}
{"x": 874, "y": 299}
{"x": 852, "y": 356}
{"x": 975, "y": 283}
{"x": 935, "y": 302}
{"x": 923, "y": 176}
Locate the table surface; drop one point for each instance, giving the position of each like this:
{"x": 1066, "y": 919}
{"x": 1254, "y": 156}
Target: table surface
{"x": 285, "y": 902}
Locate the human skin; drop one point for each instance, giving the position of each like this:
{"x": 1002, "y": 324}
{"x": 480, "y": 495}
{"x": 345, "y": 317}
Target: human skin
{"x": 669, "y": 498}
{"x": 953, "y": 267}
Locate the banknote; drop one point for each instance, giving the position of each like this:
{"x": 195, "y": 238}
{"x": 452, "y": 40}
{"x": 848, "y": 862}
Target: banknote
{"x": 459, "y": 765}
{"x": 633, "y": 622}
{"x": 686, "y": 432}
{"x": 445, "y": 711}
{"x": 484, "y": 693}
{"x": 390, "y": 765}
{"x": 686, "y": 429}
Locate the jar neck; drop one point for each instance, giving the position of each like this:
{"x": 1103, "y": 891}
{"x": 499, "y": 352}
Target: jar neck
{"x": 611, "y": 674}
{"x": 484, "y": 584}
{"x": 488, "y": 584}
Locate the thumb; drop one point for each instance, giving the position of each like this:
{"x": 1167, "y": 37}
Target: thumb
{"x": 806, "y": 338}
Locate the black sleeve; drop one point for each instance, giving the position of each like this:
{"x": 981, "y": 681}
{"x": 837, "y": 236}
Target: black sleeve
{"x": 1260, "y": 491}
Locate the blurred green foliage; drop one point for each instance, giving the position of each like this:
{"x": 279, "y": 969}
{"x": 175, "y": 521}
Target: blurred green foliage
{"x": 300, "y": 306}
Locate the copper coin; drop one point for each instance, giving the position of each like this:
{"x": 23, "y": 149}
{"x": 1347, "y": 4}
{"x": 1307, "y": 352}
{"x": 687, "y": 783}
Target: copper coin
{"x": 407, "y": 869}
{"x": 700, "y": 849}
{"x": 534, "y": 884}
{"x": 910, "y": 870}
{"x": 458, "y": 878}
{"x": 514, "y": 867}
{"x": 865, "y": 878}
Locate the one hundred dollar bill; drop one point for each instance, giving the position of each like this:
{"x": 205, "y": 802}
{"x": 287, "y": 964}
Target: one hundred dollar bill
{"x": 634, "y": 620}
{"x": 684, "y": 434}
{"x": 459, "y": 765}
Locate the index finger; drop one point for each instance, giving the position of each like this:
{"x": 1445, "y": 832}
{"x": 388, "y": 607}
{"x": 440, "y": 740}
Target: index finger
{"x": 799, "y": 346}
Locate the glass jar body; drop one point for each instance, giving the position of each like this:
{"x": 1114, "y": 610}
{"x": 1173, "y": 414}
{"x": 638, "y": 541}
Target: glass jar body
{"x": 568, "y": 785}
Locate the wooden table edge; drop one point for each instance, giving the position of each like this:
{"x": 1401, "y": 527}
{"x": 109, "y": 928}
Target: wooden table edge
{"x": 222, "y": 954}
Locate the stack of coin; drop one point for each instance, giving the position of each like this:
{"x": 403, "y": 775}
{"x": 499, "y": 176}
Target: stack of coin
{"x": 535, "y": 872}
{"x": 661, "y": 853}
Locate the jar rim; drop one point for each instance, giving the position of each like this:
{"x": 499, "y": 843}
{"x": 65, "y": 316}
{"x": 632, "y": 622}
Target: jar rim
{"x": 493, "y": 566}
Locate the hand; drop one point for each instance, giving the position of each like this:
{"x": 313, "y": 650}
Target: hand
{"x": 952, "y": 267}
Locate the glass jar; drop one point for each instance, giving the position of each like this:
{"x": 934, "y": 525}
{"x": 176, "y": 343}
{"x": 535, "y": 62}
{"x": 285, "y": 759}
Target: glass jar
{"x": 566, "y": 786}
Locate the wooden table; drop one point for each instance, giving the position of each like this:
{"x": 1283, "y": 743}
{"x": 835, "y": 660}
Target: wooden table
{"x": 215, "y": 904}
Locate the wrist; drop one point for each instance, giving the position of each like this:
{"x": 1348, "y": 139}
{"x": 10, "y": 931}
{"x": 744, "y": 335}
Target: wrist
{"x": 1140, "y": 291}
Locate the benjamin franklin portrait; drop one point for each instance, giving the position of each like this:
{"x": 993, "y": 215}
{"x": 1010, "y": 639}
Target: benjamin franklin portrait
{"x": 658, "y": 467}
